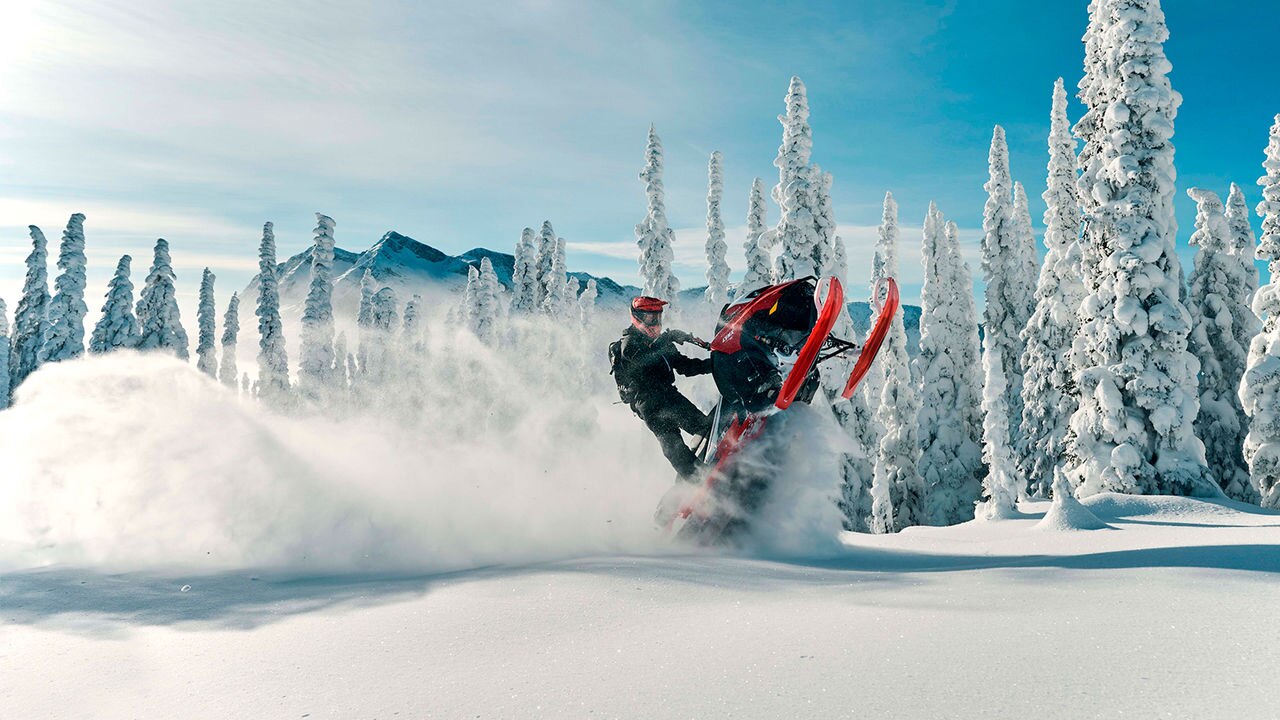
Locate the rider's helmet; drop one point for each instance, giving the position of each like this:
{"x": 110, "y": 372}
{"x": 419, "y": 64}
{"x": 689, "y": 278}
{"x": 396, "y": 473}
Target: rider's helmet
{"x": 646, "y": 315}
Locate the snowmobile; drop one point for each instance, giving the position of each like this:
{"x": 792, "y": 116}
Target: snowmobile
{"x": 765, "y": 357}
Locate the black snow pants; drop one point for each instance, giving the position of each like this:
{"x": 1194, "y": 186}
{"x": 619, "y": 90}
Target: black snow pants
{"x": 667, "y": 413}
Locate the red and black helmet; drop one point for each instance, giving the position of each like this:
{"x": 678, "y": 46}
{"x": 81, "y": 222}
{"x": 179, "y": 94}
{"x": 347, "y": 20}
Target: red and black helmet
{"x": 646, "y": 314}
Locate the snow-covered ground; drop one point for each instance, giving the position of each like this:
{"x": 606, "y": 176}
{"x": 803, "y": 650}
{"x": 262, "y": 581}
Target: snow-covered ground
{"x": 1168, "y": 614}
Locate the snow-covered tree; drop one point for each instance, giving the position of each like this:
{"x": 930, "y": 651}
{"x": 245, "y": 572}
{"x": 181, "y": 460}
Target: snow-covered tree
{"x": 757, "y": 244}
{"x": 207, "y": 322}
{"x": 273, "y": 359}
{"x": 64, "y": 333}
{"x": 413, "y": 331}
{"x": 343, "y": 362}
{"x": 364, "y": 320}
{"x": 1007, "y": 313}
{"x": 524, "y": 274}
{"x": 1220, "y": 319}
{"x": 159, "y": 321}
{"x": 797, "y": 192}
{"x": 969, "y": 347}
{"x": 1260, "y": 390}
{"x": 315, "y": 366}
{"x": 1049, "y": 394}
{"x": 717, "y": 292}
{"x": 5, "y": 351}
{"x": 228, "y": 372}
{"x": 654, "y": 237}
{"x": 1134, "y": 429}
{"x": 950, "y": 459}
{"x": 898, "y": 457}
{"x": 485, "y": 294}
{"x": 376, "y": 336}
{"x": 587, "y": 303}
{"x": 1243, "y": 241}
{"x": 557, "y": 281}
{"x": 117, "y": 327}
{"x": 30, "y": 320}
{"x": 573, "y": 286}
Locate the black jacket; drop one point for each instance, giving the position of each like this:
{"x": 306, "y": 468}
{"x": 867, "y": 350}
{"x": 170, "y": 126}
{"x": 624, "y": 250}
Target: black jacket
{"x": 647, "y": 366}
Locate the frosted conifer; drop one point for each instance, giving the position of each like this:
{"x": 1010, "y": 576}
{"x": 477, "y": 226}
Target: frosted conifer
{"x": 486, "y": 298}
{"x": 1049, "y": 394}
{"x": 207, "y": 321}
{"x": 1134, "y": 429}
{"x": 898, "y": 457}
{"x": 228, "y": 372}
{"x": 1243, "y": 242}
{"x": 557, "y": 280}
{"x": 413, "y": 331}
{"x": 653, "y": 236}
{"x": 159, "y": 320}
{"x": 1260, "y": 390}
{"x": 315, "y": 366}
{"x": 117, "y": 327}
{"x": 717, "y": 293}
{"x": 273, "y": 359}
{"x": 524, "y": 274}
{"x": 1218, "y": 301}
{"x": 30, "y": 321}
{"x": 759, "y": 265}
{"x": 797, "y": 191}
{"x": 587, "y": 303}
{"x": 950, "y": 459}
{"x": 64, "y": 332}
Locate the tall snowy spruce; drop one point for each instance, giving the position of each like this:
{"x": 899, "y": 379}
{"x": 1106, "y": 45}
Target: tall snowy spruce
{"x": 800, "y": 247}
{"x": 207, "y": 323}
{"x": 485, "y": 294}
{"x": 315, "y": 366}
{"x": 5, "y": 351}
{"x": 556, "y": 281}
{"x": 898, "y": 457}
{"x": 1222, "y": 324}
{"x": 950, "y": 457}
{"x": 159, "y": 321}
{"x": 1134, "y": 429}
{"x": 717, "y": 293}
{"x": 1260, "y": 390}
{"x": 969, "y": 347}
{"x": 759, "y": 265}
{"x": 64, "y": 333}
{"x": 549, "y": 291}
{"x": 524, "y": 274}
{"x": 654, "y": 237}
{"x": 228, "y": 372}
{"x": 1007, "y": 311}
{"x": 587, "y": 303}
{"x": 273, "y": 359}
{"x": 117, "y": 327}
{"x": 1049, "y": 394}
{"x": 30, "y": 320}
{"x": 1243, "y": 242}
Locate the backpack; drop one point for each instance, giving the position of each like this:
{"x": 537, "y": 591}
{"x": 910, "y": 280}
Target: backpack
{"x": 617, "y": 368}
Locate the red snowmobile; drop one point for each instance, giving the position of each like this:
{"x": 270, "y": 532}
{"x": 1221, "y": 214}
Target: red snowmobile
{"x": 765, "y": 357}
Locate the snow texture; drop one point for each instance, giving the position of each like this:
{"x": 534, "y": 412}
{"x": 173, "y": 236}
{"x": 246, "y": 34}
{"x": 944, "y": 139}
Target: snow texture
{"x": 273, "y": 358}
{"x": 64, "y": 330}
{"x": 1260, "y": 389}
{"x": 950, "y": 456}
{"x": 30, "y": 320}
{"x": 717, "y": 293}
{"x": 1222, "y": 326}
{"x": 1134, "y": 429}
{"x": 159, "y": 320}
{"x": 654, "y": 237}
{"x": 228, "y": 372}
{"x": 1049, "y": 394}
{"x": 207, "y": 322}
{"x": 117, "y": 327}
{"x": 757, "y": 246}
{"x": 1068, "y": 514}
{"x": 898, "y": 457}
{"x": 316, "y": 363}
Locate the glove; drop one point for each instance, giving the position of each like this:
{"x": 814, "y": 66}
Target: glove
{"x": 680, "y": 336}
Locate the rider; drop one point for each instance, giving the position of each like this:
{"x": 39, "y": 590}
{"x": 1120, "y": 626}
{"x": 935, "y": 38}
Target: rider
{"x": 645, "y": 361}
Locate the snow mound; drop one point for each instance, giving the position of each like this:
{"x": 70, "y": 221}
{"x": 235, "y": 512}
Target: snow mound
{"x": 1173, "y": 508}
{"x": 1068, "y": 514}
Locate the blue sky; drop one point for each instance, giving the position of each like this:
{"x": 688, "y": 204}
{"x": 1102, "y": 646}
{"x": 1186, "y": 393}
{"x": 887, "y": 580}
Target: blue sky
{"x": 461, "y": 125}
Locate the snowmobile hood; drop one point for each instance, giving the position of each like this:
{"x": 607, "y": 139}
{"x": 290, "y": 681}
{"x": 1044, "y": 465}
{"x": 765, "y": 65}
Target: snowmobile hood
{"x": 729, "y": 339}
